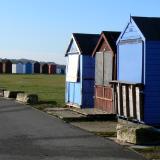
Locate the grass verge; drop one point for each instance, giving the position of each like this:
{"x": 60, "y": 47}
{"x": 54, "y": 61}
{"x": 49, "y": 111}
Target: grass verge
{"x": 49, "y": 88}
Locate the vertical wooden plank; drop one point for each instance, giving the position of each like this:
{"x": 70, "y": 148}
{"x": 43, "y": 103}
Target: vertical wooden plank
{"x": 120, "y": 101}
{"x": 134, "y": 102}
{"x": 141, "y": 105}
{"x": 130, "y": 101}
{"x": 138, "y": 112}
{"x": 139, "y": 102}
{"x": 103, "y": 101}
{"x": 113, "y": 101}
{"x": 127, "y": 100}
{"x": 124, "y": 100}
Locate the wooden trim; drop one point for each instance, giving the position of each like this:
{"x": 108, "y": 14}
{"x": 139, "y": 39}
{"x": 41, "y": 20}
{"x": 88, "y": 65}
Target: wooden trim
{"x": 102, "y": 36}
{"x": 102, "y": 98}
{"x": 130, "y": 41}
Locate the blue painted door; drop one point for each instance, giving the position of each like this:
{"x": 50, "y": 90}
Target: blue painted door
{"x": 73, "y": 93}
{"x": 130, "y": 62}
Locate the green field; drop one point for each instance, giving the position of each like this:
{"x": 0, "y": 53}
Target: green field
{"x": 50, "y": 88}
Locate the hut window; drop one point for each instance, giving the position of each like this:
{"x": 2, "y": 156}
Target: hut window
{"x": 72, "y": 68}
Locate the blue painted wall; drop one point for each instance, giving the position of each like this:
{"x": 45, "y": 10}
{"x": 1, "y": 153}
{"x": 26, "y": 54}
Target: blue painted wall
{"x": 152, "y": 85}
{"x": 73, "y": 93}
{"x": 19, "y": 68}
{"x": 130, "y": 56}
{"x": 88, "y": 76}
{"x": 130, "y": 62}
{"x": 28, "y": 68}
{"x": 140, "y": 62}
{"x": 81, "y": 93}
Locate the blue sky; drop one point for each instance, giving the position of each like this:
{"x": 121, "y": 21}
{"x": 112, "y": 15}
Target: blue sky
{"x": 41, "y": 29}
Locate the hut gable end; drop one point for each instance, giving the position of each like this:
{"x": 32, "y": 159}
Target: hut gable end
{"x": 130, "y": 33}
{"x": 102, "y": 45}
{"x": 72, "y": 47}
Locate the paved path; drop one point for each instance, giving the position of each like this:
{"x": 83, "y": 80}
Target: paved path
{"x": 28, "y": 134}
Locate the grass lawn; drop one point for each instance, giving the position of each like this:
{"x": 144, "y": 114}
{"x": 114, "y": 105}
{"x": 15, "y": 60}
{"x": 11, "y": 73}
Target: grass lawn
{"x": 50, "y": 88}
{"x": 151, "y": 153}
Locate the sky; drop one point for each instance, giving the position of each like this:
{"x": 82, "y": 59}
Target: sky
{"x": 41, "y": 29}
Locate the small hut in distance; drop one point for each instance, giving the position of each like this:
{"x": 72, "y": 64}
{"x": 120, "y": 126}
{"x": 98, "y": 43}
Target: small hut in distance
{"x": 17, "y": 68}
{"x": 27, "y": 68}
{"x": 1, "y": 67}
{"x": 36, "y": 68}
{"x": 52, "y": 68}
{"x": 7, "y": 66}
{"x": 61, "y": 69}
{"x": 45, "y": 68}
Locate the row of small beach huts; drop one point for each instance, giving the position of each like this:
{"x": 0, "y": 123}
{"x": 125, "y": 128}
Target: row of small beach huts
{"x": 118, "y": 72}
{"x": 9, "y": 67}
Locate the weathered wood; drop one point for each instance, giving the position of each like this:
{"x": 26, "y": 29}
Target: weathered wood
{"x": 113, "y": 106}
{"x": 141, "y": 105}
{"x": 124, "y": 100}
{"x": 138, "y": 103}
{"x": 116, "y": 101}
{"x": 104, "y": 98}
{"x": 120, "y": 100}
{"x": 130, "y": 102}
{"x": 134, "y": 102}
{"x": 127, "y": 101}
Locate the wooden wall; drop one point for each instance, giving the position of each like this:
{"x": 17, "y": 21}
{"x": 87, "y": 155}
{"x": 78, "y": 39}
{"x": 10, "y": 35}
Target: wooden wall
{"x": 152, "y": 83}
{"x": 129, "y": 100}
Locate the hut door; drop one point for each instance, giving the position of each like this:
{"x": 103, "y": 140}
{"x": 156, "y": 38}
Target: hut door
{"x": 108, "y": 67}
{"x": 99, "y": 68}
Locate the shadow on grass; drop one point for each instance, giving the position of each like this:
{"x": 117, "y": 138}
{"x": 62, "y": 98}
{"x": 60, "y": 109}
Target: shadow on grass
{"x": 45, "y": 104}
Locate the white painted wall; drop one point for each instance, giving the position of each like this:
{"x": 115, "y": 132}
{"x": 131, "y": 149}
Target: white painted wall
{"x": 14, "y": 66}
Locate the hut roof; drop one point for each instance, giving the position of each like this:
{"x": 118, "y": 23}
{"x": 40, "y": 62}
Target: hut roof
{"x": 85, "y": 42}
{"x": 110, "y": 37}
{"x": 149, "y": 26}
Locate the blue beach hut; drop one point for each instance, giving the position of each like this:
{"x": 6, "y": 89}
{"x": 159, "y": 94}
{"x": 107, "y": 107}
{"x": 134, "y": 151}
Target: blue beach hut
{"x": 80, "y": 70}
{"x": 139, "y": 63}
{"x": 27, "y": 68}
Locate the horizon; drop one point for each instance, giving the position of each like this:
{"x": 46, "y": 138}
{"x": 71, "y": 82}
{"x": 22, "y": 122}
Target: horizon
{"x": 41, "y": 31}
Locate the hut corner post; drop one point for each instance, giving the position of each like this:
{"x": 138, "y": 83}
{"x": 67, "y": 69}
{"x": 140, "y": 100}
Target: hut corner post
{"x": 128, "y": 100}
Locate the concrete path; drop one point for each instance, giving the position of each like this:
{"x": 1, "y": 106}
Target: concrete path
{"x": 28, "y": 134}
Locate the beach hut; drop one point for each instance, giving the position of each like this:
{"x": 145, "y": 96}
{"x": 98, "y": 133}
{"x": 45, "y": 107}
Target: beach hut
{"x": 1, "y": 67}
{"x": 80, "y": 70}
{"x": 105, "y": 70}
{"x": 36, "y": 67}
{"x": 61, "y": 69}
{"x": 17, "y": 68}
{"x": 45, "y": 68}
{"x": 138, "y": 85}
{"x": 52, "y": 68}
{"x": 7, "y": 66}
{"x": 27, "y": 68}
